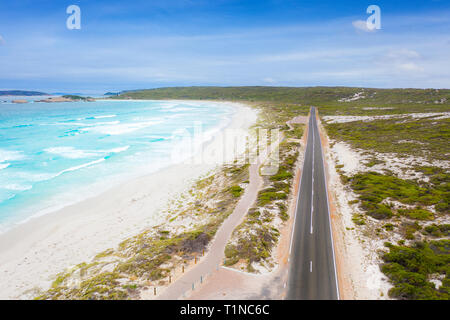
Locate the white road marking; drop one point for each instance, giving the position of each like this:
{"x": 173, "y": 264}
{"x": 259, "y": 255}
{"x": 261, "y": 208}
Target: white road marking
{"x": 310, "y": 266}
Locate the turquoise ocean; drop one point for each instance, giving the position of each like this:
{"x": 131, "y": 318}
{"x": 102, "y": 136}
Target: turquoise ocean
{"x": 54, "y": 154}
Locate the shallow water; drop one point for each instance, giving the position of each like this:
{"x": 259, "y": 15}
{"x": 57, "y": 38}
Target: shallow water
{"x": 53, "y": 154}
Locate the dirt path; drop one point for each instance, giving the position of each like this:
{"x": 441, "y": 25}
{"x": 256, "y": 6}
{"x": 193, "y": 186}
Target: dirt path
{"x": 215, "y": 254}
{"x": 207, "y": 279}
{"x": 227, "y": 283}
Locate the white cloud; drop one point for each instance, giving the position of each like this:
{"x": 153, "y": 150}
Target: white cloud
{"x": 402, "y": 60}
{"x": 409, "y": 66}
{"x": 2, "y": 41}
{"x": 403, "y": 54}
{"x": 361, "y": 25}
{"x": 312, "y": 55}
{"x": 269, "y": 80}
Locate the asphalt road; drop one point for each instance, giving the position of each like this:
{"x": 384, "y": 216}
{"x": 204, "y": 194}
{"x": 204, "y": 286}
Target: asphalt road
{"x": 312, "y": 272}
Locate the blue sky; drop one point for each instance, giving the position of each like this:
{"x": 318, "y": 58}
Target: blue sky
{"x": 145, "y": 44}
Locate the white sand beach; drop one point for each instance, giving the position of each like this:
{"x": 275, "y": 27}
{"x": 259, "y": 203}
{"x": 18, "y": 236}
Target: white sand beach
{"x": 32, "y": 253}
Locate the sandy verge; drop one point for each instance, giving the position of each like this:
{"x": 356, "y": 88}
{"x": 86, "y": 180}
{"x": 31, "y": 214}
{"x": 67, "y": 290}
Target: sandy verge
{"x": 32, "y": 253}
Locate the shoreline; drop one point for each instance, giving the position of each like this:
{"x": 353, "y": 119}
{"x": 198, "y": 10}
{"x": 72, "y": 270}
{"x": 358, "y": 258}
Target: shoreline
{"x": 34, "y": 252}
{"x": 96, "y": 188}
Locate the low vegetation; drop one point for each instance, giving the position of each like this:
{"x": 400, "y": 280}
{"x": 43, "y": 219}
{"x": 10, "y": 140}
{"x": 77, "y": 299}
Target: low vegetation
{"x": 374, "y": 188}
{"x": 409, "y": 206}
{"x": 412, "y": 209}
{"x": 147, "y": 260}
{"x": 77, "y": 98}
{"x": 427, "y": 138}
{"x": 413, "y": 269}
{"x": 327, "y": 98}
{"x": 253, "y": 241}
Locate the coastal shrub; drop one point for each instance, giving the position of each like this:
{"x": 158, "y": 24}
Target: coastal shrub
{"x": 344, "y": 178}
{"x": 236, "y": 191}
{"x": 102, "y": 286}
{"x": 283, "y": 211}
{"x": 296, "y": 132}
{"x": 253, "y": 213}
{"x": 296, "y": 100}
{"x": 372, "y": 188}
{"x": 388, "y": 136}
{"x": 377, "y": 211}
{"x": 438, "y": 230}
{"x": 281, "y": 186}
{"x": 418, "y": 214}
{"x": 282, "y": 174}
{"x": 409, "y": 269}
{"x": 373, "y": 161}
{"x": 290, "y": 160}
{"x": 408, "y": 229}
{"x": 104, "y": 254}
{"x": 267, "y": 197}
{"x": 231, "y": 255}
{"x": 375, "y": 187}
{"x": 443, "y": 206}
{"x": 255, "y": 246}
{"x": 358, "y": 219}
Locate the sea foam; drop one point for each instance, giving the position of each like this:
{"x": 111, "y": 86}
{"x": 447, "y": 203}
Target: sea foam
{"x": 73, "y": 153}
{"x": 52, "y": 152}
{"x": 8, "y": 155}
{"x": 118, "y": 129}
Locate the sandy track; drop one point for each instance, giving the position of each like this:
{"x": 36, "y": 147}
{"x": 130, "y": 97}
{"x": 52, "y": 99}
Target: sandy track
{"x": 215, "y": 254}
{"x": 226, "y": 283}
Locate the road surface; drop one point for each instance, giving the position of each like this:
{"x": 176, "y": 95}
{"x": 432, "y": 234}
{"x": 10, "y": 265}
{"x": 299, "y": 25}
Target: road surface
{"x": 312, "y": 271}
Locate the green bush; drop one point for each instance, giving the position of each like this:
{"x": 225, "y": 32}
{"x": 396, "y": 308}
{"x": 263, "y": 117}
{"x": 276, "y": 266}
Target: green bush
{"x": 376, "y": 187}
{"x": 236, "y": 191}
{"x": 377, "y": 211}
{"x": 358, "y": 219}
{"x": 265, "y": 197}
{"x": 282, "y": 174}
{"x": 372, "y": 188}
{"x": 417, "y": 214}
{"x": 409, "y": 269}
{"x": 438, "y": 230}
